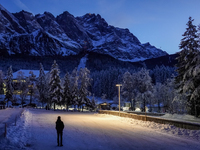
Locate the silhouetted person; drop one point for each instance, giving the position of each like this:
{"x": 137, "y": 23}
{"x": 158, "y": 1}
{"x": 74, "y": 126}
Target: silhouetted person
{"x": 59, "y": 128}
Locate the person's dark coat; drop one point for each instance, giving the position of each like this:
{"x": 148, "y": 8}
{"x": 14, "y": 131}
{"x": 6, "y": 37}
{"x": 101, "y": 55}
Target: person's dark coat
{"x": 59, "y": 128}
{"x": 59, "y": 125}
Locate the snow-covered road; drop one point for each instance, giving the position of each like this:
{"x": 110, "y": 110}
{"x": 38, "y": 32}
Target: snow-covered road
{"x": 89, "y": 131}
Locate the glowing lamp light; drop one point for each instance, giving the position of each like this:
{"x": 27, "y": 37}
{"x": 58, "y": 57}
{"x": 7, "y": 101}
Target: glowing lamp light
{"x": 119, "y": 95}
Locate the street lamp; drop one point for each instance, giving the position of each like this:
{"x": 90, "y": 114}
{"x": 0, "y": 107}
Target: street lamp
{"x": 119, "y": 95}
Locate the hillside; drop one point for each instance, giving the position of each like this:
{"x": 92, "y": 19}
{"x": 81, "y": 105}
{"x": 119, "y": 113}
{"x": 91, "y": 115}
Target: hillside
{"x": 95, "y": 62}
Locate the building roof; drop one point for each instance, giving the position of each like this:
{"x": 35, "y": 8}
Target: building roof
{"x": 27, "y": 73}
{"x": 105, "y": 103}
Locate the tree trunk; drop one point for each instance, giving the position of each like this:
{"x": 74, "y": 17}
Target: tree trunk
{"x": 31, "y": 98}
{"x": 158, "y": 107}
{"x": 144, "y": 105}
{"x": 133, "y": 104}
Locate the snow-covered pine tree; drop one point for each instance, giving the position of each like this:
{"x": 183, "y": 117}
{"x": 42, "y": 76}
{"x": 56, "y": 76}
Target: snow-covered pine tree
{"x": 42, "y": 86}
{"x": 9, "y": 85}
{"x": 168, "y": 94}
{"x": 85, "y": 82}
{"x": 1, "y": 82}
{"x": 105, "y": 81}
{"x": 67, "y": 95}
{"x": 128, "y": 88}
{"x": 192, "y": 86}
{"x": 96, "y": 86}
{"x": 174, "y": 101}
{"x": 186, "y": 63}
{"x": 194, "y": 73}
{"x": 159, "y": 95}
{"x": 55, "y": 90}
{"x": 144, "y": 87}
{"x": 103, "y": 97}
{"x": 161, "y": 73}
{"x": 93, "y": 103}
{"x": 74, "y": 87}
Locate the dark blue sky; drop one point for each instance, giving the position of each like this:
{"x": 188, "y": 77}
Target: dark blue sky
{"x": 160, "y": 22}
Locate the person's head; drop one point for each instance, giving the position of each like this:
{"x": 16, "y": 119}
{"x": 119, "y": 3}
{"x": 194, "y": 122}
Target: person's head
{"x": 59, "y": 118}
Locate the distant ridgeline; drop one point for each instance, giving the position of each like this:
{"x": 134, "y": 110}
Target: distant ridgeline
{"x": 64, "y": 35}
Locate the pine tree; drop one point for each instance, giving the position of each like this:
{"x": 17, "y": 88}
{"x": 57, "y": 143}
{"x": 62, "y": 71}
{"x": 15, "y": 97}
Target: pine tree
{"x": 9, "y": 85}
{"x": 169, "y": 94}
{"x": 85, "y": 82}
{"x": 192, "y": 86}
{"x": 162, "y": 73}
{"x": 186, "y": 63}
{"x": 128, "y": 88}
{"x": 93, "y": 103}
{"x": 1, "y": 82}
{"x": 144, "y": 87}
{"x": 55, "y": 85}
{"x": 103, "y": 97}
{"x": 174, "y": 101}
{"x": 74, "y": 87}
{"x": 42, "y": 86}
{"x": 2, "y": 85}
{"x": 67, "y": 95}
{"x": 159, "y": 95}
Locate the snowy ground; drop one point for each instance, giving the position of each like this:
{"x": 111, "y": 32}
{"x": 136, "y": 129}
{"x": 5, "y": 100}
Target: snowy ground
{"x": 179, "y": 117}
{"x": 82, "y": 63}
{"x": 90, "y": 131}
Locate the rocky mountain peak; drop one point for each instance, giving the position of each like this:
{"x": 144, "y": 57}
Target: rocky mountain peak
{"x": 28, "y": 21}
{"x": 44, "y": 34}
{"x": 8, "y": 23}
{"x": 45, "y": 20}
{"x": 71, "y": 27}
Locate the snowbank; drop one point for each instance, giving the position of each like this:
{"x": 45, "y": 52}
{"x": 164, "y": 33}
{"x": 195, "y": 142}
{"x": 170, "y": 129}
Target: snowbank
{"x": 184, "y": 117}
{"x": 166, "y": 128}
{"x": 17, "y": 135}
{"x": 8, "y": 116}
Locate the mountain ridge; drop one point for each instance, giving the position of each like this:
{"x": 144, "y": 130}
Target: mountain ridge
{"x": 64, "y": 35}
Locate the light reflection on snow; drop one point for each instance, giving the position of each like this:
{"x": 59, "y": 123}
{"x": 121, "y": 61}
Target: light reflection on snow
{"x": 36, "y": 129}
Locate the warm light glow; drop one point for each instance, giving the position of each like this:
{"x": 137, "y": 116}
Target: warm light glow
{"x": 17, "y": 92}
{"x": 19, "y": 81}
{"x": 119, "y": 95}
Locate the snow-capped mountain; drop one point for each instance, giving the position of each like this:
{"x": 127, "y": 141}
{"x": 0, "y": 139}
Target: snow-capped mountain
{"x": 44, "y": 34}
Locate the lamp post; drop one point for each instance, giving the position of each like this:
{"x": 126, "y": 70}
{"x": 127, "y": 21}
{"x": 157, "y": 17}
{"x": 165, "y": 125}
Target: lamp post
{"x": 119, "y": 95}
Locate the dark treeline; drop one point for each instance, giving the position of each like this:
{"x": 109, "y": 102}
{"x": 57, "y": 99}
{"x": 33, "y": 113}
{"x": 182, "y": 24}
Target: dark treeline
{"x": 105, "y": 70}
{"x": 66, "y": 63}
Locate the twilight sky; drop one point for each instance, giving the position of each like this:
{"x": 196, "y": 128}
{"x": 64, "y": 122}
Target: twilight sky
{"x": 159, "y": 22}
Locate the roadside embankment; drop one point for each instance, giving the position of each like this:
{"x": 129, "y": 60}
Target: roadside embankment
{"x": 177, "y": 123}
{"x": 8, "y": 117}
